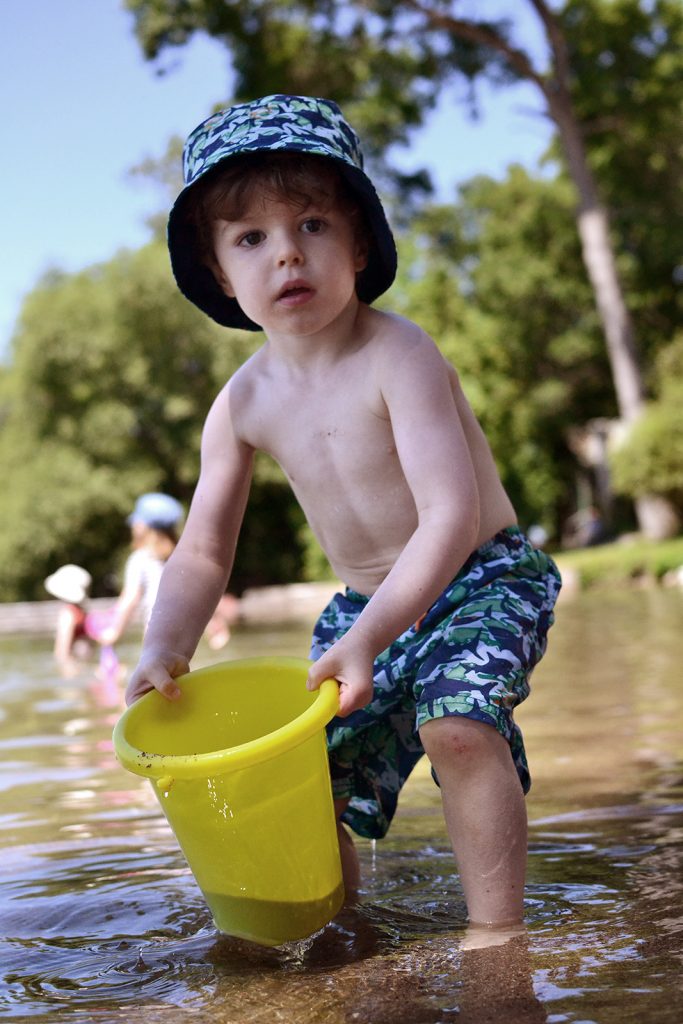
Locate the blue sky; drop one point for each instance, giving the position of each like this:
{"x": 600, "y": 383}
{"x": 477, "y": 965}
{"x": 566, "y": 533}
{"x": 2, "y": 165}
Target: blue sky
{"x": 81, "y": 107}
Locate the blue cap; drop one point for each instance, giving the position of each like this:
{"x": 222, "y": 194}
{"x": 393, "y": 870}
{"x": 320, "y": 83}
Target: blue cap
{"x": 158, "y": 511}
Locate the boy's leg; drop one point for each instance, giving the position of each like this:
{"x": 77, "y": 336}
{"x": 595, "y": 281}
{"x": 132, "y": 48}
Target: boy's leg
{"x": 347, "y": 851}
{"x": 372, "y": 752}
{"x": 482, "y": 639}
{"x": 485, "y": 815}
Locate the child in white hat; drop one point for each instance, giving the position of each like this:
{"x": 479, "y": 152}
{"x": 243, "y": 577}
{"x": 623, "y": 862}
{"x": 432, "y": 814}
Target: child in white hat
{"x": 70, "y": 585}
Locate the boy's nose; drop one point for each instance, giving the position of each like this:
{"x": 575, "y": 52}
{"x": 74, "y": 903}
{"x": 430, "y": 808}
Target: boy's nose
{"x": 289, "y": 251}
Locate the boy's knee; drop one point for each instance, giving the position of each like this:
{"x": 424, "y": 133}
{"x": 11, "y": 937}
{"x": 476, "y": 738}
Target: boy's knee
{"x": 339, "y": 807}
{"x": 462, "y": 742}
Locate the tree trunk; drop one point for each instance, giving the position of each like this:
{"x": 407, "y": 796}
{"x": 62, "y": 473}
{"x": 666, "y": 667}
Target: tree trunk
{"x": 656, "y": 516}
{"x": 598, "y": 257}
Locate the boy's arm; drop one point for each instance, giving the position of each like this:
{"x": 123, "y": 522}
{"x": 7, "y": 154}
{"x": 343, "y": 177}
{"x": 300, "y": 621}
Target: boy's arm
{"x": 197, "y": 572}
{"x": 435, "y": 458}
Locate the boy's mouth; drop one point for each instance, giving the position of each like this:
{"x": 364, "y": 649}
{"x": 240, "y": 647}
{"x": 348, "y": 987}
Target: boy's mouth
{"x": 294, "y": 292}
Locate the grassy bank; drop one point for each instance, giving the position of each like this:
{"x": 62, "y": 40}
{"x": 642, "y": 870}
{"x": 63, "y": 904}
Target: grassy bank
{"x": 622, "y": 562}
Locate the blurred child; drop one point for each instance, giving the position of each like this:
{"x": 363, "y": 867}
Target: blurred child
{"x": 154, "y": 524}
{"x": 78, "y": 628}
{"x": 70, "y": 585}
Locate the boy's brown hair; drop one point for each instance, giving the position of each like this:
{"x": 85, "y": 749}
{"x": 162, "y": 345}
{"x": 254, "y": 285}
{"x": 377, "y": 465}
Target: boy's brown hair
{"x": 301, "y": 179}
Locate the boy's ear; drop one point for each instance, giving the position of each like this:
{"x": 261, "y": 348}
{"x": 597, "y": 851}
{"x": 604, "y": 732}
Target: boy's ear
{"x": 222, "y": 279}
{"x": 361, "y": 260}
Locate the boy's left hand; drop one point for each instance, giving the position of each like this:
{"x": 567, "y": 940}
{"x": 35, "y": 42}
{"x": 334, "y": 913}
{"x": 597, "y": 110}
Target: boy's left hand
{"x": 352, "y": 668}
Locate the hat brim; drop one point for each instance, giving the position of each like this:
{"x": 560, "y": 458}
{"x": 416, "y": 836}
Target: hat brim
{"x": 70, "y": 593}
{"x": 198, "y": 284}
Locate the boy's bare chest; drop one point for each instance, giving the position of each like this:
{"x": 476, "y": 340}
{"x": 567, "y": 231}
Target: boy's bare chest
{"x": 345, "y": 437}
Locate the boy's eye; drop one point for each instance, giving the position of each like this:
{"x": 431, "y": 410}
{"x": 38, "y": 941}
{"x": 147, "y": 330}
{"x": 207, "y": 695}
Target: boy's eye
{"x": 313, "y": 225}
{"x": 251, "y": 239}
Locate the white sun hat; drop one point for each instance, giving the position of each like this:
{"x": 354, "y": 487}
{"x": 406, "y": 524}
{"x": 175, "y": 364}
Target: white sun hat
{"x": 69, "y": 583}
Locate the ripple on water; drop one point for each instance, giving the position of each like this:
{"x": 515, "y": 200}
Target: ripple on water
{"x": 46, "y": 974}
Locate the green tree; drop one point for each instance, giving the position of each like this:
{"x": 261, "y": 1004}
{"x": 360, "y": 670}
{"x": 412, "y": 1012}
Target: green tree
{"x": 651, "y": 457}
{"x": 497, "y": 279}
{"x": 390, "y": 61}
{"x": 112, "y": 377}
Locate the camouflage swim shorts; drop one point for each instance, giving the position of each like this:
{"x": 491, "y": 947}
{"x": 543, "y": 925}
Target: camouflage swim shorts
{"x": 471, "y": 655}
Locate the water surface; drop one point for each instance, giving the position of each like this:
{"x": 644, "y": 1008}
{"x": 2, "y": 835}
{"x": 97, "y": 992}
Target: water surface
{"x": 102, "y": 921}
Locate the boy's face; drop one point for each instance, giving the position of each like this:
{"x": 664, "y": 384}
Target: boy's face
{"x": 292, "y": 271}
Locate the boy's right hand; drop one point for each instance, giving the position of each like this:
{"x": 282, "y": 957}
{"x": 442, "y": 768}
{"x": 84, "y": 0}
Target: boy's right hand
{"x": 156, "y": 670}
{"x": 351, "y": 665}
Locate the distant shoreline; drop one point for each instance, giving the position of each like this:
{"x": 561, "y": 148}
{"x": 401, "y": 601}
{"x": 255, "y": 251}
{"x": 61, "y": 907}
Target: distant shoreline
{"x": 629, "y": 562}
{"x": 292, "y": 602}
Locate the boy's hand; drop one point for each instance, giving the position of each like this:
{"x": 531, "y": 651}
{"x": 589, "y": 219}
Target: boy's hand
{"x": 352, "y": 668}
{"x": 156, "y": 670}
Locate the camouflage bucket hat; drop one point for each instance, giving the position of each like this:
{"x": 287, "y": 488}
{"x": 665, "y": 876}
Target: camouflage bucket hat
{"x": 299, "y": 124}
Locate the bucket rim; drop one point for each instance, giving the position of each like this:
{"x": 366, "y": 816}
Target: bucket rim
{"x": 167, "y": 767}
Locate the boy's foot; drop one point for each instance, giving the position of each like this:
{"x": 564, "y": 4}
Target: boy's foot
{"x": 483, "y": 936}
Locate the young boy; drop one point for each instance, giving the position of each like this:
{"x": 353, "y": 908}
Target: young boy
{"x": 447, "y": 604}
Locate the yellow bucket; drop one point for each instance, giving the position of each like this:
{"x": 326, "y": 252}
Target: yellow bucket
{"x": 239, "y": 765}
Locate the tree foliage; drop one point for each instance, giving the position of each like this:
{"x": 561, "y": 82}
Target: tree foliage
{"x": 113, "y": 374}
{"x": 497, "y": 280}
{"x": 113, "y": 371}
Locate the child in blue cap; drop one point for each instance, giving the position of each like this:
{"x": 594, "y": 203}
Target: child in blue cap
{"x": 446, "y": 604}
{"x": 154, "y": 524}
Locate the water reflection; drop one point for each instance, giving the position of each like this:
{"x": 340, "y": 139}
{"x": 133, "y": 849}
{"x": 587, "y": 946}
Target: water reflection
{"x": 103, "y": 920}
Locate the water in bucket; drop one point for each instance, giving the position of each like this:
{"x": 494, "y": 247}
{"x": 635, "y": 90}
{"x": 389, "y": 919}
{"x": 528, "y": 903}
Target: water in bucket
{"x": 239, "y": 765}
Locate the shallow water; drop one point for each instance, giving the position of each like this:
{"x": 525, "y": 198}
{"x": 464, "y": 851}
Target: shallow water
{"x": 102, "y": 920}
